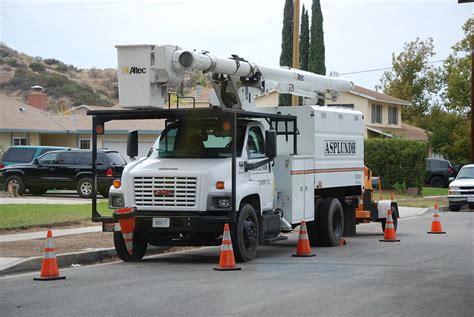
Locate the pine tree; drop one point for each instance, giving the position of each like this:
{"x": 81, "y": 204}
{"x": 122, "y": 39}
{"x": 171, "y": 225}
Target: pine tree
{"x": 286, "y": 46}
{"x": 317, "y": 63}
{"x": 304, "y": 40}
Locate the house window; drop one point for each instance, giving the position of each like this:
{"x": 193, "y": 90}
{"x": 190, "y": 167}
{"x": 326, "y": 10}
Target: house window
{"x": 342, "y": 105}
{"x": 392, "y": 115}
{"x": 20, "y": 141}
{"x": 376, "y": 113}
{"x": 85, "y": 144}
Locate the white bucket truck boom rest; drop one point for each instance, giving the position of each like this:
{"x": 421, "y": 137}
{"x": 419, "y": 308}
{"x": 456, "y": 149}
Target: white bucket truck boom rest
{"x": 262, "y": 170}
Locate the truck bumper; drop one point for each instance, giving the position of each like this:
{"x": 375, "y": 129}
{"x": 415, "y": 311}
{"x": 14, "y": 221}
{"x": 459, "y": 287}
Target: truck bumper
{"x": 458, "y": 200}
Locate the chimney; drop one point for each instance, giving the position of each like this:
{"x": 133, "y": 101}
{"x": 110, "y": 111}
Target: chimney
{"x": 38, "y": 98}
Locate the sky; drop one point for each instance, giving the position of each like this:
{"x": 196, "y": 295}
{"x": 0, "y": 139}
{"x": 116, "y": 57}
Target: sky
{"x": 359, "y": 34}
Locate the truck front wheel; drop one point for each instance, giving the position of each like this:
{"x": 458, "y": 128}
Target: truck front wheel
{"x": 139, "y": 247}
{"x": 245, "y": 234}
{"x": 331, "y": 222}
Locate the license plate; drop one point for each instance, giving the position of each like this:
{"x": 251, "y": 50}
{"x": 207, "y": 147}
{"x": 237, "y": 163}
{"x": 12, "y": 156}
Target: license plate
{"x": 470, "y": 199}
{"x": 161, "y": 222}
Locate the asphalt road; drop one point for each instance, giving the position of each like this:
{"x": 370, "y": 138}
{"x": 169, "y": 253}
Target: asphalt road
{"x": 423, "y": 275}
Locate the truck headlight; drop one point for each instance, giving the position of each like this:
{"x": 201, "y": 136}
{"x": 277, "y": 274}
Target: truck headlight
{"x": 223, "y": 202}
{"x": 115, "y": 201}
{"x": 453, "y": 190}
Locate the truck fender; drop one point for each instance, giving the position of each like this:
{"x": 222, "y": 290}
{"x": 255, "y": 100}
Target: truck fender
{"x": 246, "y": 190}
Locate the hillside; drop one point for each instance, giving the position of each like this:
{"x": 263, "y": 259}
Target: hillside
{"x": 66, "y": 85}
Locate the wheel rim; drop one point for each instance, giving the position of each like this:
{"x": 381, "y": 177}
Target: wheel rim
{"x": 86, "y": 188}
{"x": 337, "y": 224}
{"x": 249, "y": 229}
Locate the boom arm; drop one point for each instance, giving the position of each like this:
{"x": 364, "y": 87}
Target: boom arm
{"x": 147, "y": 73}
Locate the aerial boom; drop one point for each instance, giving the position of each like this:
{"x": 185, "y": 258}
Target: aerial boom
{"x": 149, "y": 72}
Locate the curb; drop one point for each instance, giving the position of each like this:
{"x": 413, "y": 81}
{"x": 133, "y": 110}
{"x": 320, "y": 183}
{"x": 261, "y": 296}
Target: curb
{"x": 67, "y": 259}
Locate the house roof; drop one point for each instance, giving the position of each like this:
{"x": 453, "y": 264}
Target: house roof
{"x": 378, "y": 96}
{"x": 18, "y": 117}
{"x": 406, "y": 131}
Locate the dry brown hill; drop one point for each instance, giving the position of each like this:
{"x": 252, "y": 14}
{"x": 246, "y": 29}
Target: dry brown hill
{"x": 66, "y": 85}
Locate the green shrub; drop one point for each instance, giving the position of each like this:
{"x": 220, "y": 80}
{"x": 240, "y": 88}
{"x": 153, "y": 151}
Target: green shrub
{"x": 37, "y": 67}
{"x": 51, "y": 61}
{"x": 397, "y": 161}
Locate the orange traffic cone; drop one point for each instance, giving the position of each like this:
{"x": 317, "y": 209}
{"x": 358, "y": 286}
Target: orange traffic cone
{"x": 49, "y": 266}
{"x": 436, "y": 223}
{"x": 126, "y": 218}
{"x": 303, "y": 249}
{"x": 389, "y": 234}
{"x": 227, "y": 260}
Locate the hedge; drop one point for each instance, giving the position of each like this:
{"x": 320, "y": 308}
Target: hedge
{"x": 397, "y": 161}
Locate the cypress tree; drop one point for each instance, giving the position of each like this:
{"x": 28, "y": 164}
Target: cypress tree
{"x": 304, "y": 40}
{"x": 286, "y": 46}
{"x": 317, "y": 58}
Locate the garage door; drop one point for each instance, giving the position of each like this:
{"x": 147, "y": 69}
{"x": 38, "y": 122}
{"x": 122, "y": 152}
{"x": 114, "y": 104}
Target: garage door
{"x": 121, "y": 147}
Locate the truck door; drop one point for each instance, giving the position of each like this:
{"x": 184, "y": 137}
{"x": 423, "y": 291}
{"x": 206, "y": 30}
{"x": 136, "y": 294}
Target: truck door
{"x": 262, "y": 175}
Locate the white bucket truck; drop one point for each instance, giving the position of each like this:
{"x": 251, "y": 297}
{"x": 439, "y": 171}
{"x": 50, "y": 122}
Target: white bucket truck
{"x": 262, "y": 171}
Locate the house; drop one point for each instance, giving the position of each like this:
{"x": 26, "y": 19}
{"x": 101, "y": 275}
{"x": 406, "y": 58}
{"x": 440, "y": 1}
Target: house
{"x": 21, "y": 124}
{"x": 382, "y": 113}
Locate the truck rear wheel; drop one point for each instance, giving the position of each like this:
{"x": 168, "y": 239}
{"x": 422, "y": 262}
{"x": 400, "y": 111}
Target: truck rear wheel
{"x": 139, "y": 247}
{"x": 331, "y": 222}
{"x": 245, "y": 234}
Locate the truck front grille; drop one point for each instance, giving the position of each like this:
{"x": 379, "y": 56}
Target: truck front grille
{"x": 165, "y": 191}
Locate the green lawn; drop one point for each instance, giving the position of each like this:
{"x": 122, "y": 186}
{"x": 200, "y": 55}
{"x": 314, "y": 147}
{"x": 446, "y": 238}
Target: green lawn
{"x": 24, "y": 216}
{"x": 434, "y": 191}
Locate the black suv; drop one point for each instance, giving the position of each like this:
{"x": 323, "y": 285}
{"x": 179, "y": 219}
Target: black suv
{"x": 70, "y": 169}
{"x": 438, "y": 172}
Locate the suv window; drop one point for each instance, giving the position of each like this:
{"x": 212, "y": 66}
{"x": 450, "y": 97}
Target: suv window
{"x": 87, "y": 158}
{"x": 115, "y": 158}
{"x": 48, "y": 159}
{"x": 69, "y": 158}
{"x": 46, "y": 151}
{"x": 444, "y": 164}
{"x": 19, "y": 155}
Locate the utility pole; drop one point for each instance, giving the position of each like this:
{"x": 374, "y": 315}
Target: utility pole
{"x": 296, "y": 43}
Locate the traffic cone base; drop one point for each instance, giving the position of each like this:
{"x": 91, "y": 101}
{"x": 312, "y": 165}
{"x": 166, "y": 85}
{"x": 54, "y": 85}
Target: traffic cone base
{"x": 389, "y": 240}
{"x": 303, "y": 255}
{"x": 303, "y": 249}
{"x": 49, "y": 265}
{"x": 226, "y": 258}
{"x": 441, "y": 232}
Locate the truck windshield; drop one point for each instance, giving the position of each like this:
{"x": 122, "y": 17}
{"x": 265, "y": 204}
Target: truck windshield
{"x": 199, "y": 140}
{"x": 467, "y": 172}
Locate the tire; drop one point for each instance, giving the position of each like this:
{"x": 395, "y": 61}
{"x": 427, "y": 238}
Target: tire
{"x": 437, "y": 182}
{"x": 312, "y": 226}
{"x": 84, "y": 187}
{"x": 16, "y": 179}
{"x": 139, "y": 247}
{"x": 455, "y": 207}
{"x": 245, "y": 234}
{"x": 37, "y": 191}
{"x": 394, "y": 217}
{"x": 331, "y": 222}
{"x": 471, "y": 206}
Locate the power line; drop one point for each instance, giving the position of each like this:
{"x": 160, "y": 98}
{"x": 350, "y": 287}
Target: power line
{"x": 385, "y": 68}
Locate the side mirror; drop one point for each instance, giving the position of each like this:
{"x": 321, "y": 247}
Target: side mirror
{"x": 450, "y": 179}
{"x": 132, "y": 144}
{"x": 270, "y": 144}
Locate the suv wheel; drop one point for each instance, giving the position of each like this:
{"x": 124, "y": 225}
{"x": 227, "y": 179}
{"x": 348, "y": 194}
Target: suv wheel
{"x": 437, "y": 182}
{"x": 15, "y": 180}
{"x": 84, "y": 187}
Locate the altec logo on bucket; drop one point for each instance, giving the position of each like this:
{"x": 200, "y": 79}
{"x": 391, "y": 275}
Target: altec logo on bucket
{"x": 339, "y": 147}
{"x": 133, "y": 70}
